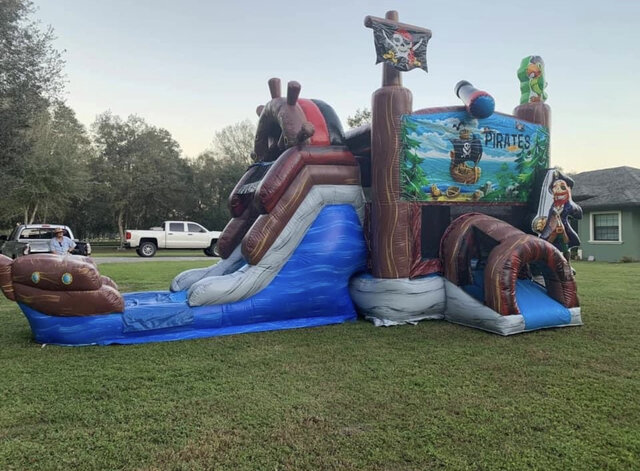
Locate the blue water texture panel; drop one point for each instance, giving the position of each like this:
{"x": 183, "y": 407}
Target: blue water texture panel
{"x": 311, "y": 289}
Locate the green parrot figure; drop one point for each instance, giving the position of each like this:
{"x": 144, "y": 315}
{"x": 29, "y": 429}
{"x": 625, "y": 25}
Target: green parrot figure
{"x": 532, "y": 81}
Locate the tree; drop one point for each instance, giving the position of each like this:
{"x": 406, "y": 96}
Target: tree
{"x": 235, "y": 142}
{"x": 53, "y": 170}
{"x": 412, "y": 177}
{"x": 140, "y": 178}
{"x": 30, "y": 81}
{"x": 362, "y": 116}
{"x": 532, "y": 162}
{"x": 217, "y": 170}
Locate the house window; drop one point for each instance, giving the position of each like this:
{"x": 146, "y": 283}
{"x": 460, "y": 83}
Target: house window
{"x": 606, "y": 227}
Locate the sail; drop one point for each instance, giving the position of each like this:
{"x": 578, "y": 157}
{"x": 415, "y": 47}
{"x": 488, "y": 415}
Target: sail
{"x": 466, "y": 150}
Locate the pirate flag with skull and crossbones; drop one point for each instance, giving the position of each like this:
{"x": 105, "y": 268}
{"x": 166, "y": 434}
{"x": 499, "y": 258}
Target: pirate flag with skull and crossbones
{"x": 402, "y": 48}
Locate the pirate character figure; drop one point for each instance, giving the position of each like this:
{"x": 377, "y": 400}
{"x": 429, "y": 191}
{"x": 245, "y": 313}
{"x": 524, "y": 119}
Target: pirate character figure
{"x": 557, "y": 229}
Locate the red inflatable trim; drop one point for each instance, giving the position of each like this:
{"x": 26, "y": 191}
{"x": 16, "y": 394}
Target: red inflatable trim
{"x": 314, "y": 116}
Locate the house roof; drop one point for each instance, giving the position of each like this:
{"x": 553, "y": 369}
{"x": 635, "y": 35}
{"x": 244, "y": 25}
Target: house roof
{"x": 608, "y": 188}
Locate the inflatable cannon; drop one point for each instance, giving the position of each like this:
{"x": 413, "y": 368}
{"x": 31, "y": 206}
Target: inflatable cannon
{"x": 479, "y": 103}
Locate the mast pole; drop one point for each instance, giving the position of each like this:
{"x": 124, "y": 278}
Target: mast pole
{"x": 390, "y": 244}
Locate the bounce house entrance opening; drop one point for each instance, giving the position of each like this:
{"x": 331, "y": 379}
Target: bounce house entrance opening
{"x": 475, "y": 260}
{"x": 435, "y": 220}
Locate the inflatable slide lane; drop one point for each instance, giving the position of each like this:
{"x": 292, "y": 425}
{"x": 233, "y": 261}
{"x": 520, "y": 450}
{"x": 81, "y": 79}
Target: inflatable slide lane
{"x": 288, "y": 253}
{"x": 498, "y": 278}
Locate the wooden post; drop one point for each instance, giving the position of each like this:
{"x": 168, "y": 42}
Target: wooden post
{"x": 390, "y": 245}
{"x": 538, "y": 113}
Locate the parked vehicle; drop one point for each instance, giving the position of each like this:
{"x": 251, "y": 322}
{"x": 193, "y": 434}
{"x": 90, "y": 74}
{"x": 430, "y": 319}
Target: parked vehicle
{"x": 172, "y": 235}
{"x": 27, "y": 239}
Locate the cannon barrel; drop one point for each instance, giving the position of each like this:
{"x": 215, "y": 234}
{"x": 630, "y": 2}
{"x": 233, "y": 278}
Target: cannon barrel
{"x": 479, "y": 103}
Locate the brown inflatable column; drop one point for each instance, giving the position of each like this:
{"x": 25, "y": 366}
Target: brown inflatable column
{"x": 538, "y": 113}
{"x": 390, "y": 248}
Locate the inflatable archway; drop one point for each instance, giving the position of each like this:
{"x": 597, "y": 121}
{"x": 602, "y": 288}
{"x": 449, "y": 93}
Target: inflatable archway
{"x": 510, "y": 251}
{"x": 491, "y": 261}
{"x": 506, "y": 262}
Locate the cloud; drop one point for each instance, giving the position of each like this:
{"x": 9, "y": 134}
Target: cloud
{"x": 431, "y": 140}
{"x": 432, "y": 153}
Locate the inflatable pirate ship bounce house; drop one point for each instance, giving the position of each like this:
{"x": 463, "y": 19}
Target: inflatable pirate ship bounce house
{"x": 465, "y": 222}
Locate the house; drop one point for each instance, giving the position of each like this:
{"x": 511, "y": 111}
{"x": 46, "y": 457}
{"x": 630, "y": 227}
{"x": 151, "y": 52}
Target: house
{"x": 610, "y": 227}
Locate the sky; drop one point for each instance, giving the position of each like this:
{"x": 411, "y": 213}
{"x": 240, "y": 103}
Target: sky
{"x": 195, "y": 66}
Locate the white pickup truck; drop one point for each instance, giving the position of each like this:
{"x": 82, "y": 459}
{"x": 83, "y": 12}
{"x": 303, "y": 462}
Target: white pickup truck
{"x": 172, "y": 235}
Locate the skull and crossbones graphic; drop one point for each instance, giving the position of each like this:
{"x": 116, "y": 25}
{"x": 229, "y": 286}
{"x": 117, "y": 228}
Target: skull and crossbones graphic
{"x": 401, "y": 47}
{"x": 466, "y": 151}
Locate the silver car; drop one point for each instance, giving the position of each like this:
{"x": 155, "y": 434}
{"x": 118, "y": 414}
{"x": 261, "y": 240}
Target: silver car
{"x": 28, "y": 239}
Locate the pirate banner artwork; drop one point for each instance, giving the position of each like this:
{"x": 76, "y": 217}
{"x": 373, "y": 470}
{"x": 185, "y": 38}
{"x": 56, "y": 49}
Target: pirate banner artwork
{"x": 403, "y": 48}
{"x": 452, "y": 157}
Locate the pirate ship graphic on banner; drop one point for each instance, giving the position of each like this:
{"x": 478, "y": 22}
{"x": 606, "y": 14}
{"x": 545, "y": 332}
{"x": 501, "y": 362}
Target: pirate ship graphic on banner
{"x": 466, "y": 153}
{"x": 448, "y": 156}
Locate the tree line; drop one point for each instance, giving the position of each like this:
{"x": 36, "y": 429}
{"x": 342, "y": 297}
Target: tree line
{"x": 119, "y": 173}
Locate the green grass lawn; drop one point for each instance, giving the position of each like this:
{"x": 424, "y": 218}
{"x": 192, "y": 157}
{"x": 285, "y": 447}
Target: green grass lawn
{"x": 344, "y": 397}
